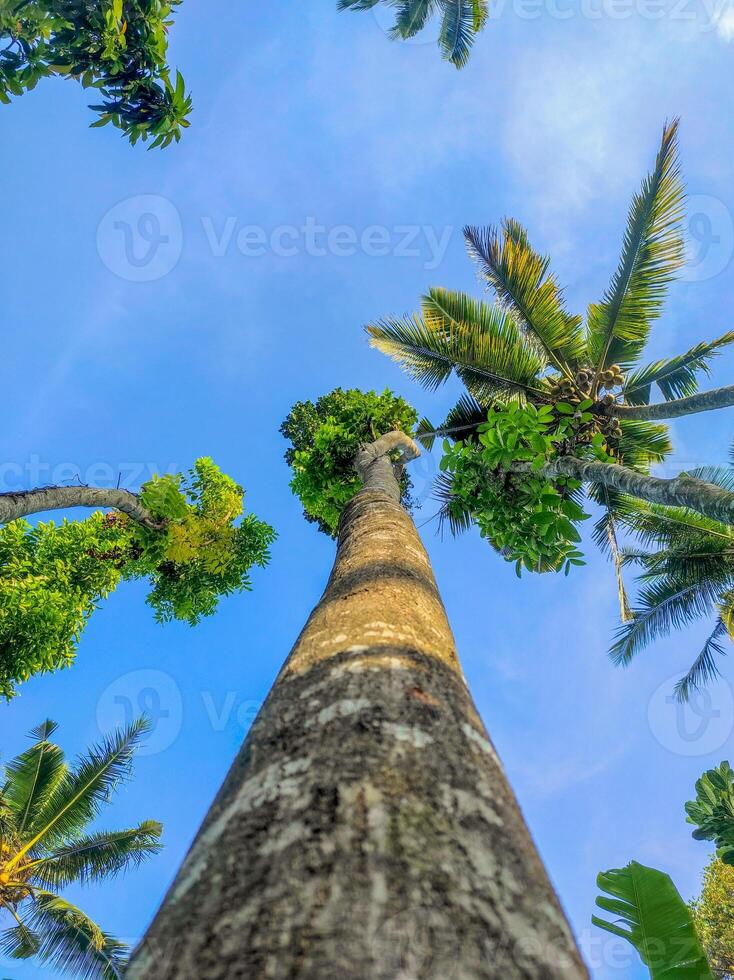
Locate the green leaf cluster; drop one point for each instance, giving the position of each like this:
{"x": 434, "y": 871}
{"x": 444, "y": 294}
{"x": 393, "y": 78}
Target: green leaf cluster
{"x": 650, "y": 914}
{"x": 117, "y": 47}
{"x": 53, "y": 576}
{"x": 325, "y": 437}
{"x": 46, "y": 807}
{"x": 712, "y": 812}
{"x": 497, "y": 482}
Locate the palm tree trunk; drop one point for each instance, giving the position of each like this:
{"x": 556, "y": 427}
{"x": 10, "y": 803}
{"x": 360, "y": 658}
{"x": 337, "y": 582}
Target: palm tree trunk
{"x": 16, "y": 505}
{"x": 702, "y": 401}
{"x": 682, "y": 491}
{"x": 366, "y": 829}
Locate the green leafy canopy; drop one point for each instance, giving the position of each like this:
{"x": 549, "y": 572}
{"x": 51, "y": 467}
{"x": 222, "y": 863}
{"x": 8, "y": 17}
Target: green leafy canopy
{"x": 53, "y": 576}
{"x": 325, "y": 437}
{"x": 118, "y": 48}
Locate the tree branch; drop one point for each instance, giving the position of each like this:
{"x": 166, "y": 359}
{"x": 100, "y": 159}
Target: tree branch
{"x": 25, "y": 502}
{"x": 703, "y": 401}
{"x": 682, "y": 491}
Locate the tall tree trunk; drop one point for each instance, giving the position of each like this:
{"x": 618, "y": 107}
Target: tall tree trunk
{"x": 366, "y": 829}
{"x": 702, "y": 401}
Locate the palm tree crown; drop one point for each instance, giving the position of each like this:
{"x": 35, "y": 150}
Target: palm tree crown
{"x": 528, "y": 348}
{"x": 45, "y": 808}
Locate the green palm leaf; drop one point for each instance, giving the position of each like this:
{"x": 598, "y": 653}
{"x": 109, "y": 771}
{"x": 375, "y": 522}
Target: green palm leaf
{"x": 651, "y": 915}
{"x": 412, "y": 16}
{"x": 78, "y": 798}
{"x": 457, "y": 30}
{"x": 520, "y": 276}
{"x": 676, "y": 377}
{"x": 704, "y": 668}
{"x": 665, "y": 605}
{"x": 652, "y": 252}
{"x": 460, "y": 423}
{"x": 98, "y": 856}
{"x": 481, "y": 343}
{"x": 33, "y": 777}
{"x": 72, "y": 943}
{"x": 643, "y": 443}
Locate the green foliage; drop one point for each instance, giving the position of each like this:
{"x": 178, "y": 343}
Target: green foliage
{"x": 713, "y": 915}
{"x": 530, "y": 519}
{"x": 649, "y": 912}
{"x": 325, "y": 437}
{"x": 45, "y": 809}
{"x": 712, "y": 812}
{"x": 461, "y": 21}
{"x": 116, "y": 47}
{"x": 53, "y": 576}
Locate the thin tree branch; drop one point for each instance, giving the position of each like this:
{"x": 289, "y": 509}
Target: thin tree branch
{"x": 703, "y": 401}
{"x": 16, "y": 505}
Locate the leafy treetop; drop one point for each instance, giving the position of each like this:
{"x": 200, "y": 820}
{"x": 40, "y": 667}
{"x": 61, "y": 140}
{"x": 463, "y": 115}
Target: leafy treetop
{"x": 118, "y": 47}
{"x": 712, "y": 812}
{"x": 53, "y": 576}
{"x": 713, "y": 915}
{"x": 325, "y": 437}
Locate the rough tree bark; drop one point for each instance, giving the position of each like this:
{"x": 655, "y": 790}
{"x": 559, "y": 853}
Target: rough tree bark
{"x": 16, "y": 505}
{"x": 366, "y": 829}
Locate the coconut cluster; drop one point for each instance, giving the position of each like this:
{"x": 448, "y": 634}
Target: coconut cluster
{"x": 583, "y": 386}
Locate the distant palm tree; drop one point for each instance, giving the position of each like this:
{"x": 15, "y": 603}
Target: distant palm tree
{"x": 461, "y": 21}
{"x": 689, "y": 575}
{"x": 527, "y": 347}
{"x": 45, "y": 807}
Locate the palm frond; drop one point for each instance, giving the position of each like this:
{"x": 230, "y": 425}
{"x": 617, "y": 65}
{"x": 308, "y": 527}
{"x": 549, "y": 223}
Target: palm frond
{"x": 72, "y": 943}
{"x": 458, "y": 30}
{"x": 411, "y": 17}
{"x": 704, "y": 668}
{"x": 643, "y": 443}
{"x": 456, "y": 333}
{"x": 675, "y": 377}
{"x": 452, "y": 512}
{"x": 79, "y": 797}
{"x": 460, "y": 423}
{"x": 33, "y": 777}
{"x": 521, "y": 279}
{"x": 98, "y": 856}
{"x": 652, "y": 252}
{"x": 666, "y": 605}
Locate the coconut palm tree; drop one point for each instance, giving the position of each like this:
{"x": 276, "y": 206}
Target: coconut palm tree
{"x": 461, "y": 21}
{"x": 45, "y": 808}
{"x": 688, "y": 575}
{"x": 529, "y": 348}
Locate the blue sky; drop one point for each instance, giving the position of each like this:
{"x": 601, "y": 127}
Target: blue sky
{"x": 308, "y": 120}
